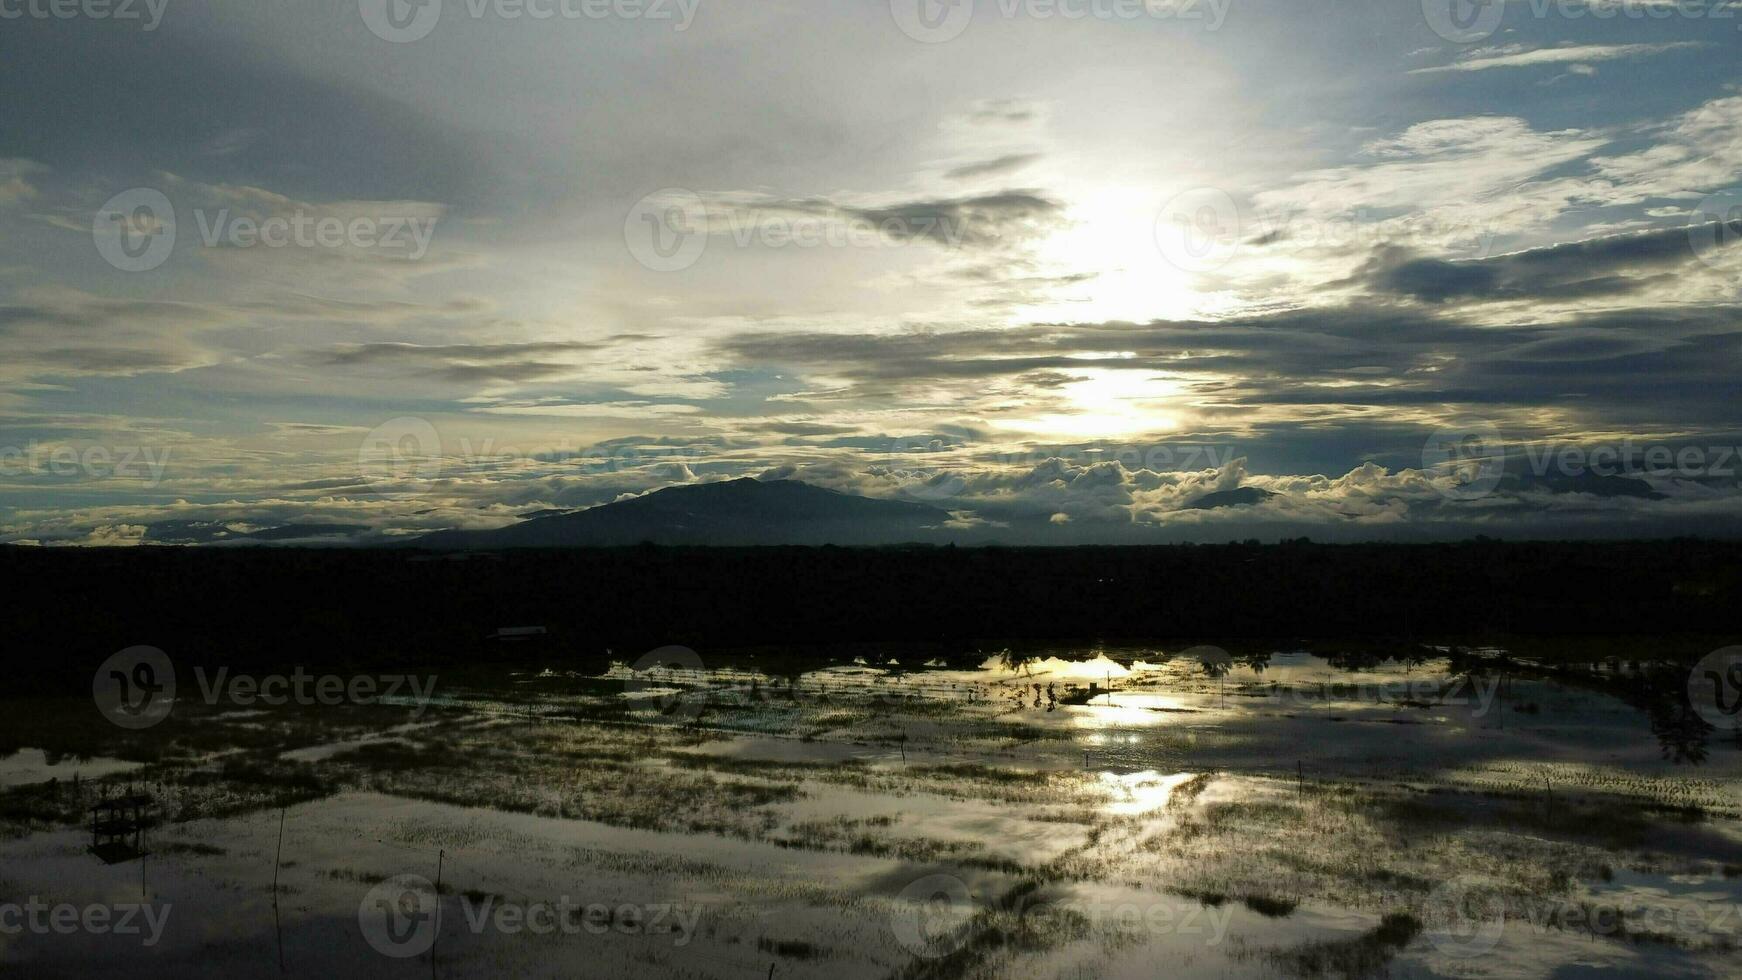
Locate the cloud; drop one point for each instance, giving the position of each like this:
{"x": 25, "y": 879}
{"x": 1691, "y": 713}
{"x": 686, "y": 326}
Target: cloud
{"x": 1522, "y": 56}
{"x": 590, "y": 410}
{"x": 1076, "y": 495}
{"x": 1694, "y": 153}
{"x": 1513, "y": 263}
{"x": 1462, "y": 177}
{"x": 996, "y": 166}
{"x": 1333, "y": 371}
{"x": 61, "y": 332}
{"x": 988, "y": 219}
{"x": 980, "y": 221}
{"x": 312, "y": 131}
{"x": 1607, "y": 266}
{"x": 466, "y": 363}
{"x": 1005, "y": 112}
{"x": 113, "y": 536}
{"x": 14, "y": 188}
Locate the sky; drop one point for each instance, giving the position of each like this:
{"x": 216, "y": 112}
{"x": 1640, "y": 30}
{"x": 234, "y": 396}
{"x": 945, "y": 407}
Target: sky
{"x": 1070, "y": 270}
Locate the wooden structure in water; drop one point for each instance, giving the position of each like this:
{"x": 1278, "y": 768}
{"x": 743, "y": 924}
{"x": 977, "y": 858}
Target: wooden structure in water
{"x": 118, "y": 828}
{"x": 1078, "y": 696}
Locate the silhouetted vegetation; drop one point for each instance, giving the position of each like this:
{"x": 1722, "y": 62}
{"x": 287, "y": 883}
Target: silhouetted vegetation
{"x": 351, "y": 609}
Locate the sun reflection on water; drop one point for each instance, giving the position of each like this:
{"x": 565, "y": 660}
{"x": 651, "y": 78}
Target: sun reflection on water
{"x": 1140, "y": 792}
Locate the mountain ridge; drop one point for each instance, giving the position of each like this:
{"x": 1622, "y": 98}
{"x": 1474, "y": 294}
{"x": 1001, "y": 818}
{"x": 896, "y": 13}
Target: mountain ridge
{"x": 744, "y": 511}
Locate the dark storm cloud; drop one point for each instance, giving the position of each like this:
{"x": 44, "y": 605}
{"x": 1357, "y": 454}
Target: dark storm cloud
{"x": 1612, "y": 265}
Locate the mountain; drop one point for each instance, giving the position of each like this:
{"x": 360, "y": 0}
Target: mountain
{"x": 1597, "y": 485}
{"x": 1240, "y": 497}
{"x": 219, "y": 532}
{"x": 735, "y": 512}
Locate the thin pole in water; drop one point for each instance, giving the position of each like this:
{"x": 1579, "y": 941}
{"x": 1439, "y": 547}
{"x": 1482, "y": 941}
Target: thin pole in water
{"x": 441, "y": 857}
{"x": 278, "y": 857}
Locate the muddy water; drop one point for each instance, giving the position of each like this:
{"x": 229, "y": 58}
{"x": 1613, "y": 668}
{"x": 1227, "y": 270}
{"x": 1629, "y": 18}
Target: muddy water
{"x": 29, "y": 766}
{"x": 1001, "y": 819}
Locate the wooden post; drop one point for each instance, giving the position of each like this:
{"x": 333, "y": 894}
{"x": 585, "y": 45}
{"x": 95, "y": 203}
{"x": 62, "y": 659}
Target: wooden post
{"x": 440, "y": 855}
{"x": 1300, "y": 779}
{"x": 278, "y": 856}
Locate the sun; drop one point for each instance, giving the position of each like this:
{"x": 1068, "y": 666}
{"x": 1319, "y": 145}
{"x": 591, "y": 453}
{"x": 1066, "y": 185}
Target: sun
{"x": 1109, "y": 241}
{"x": 1107, "y": 403}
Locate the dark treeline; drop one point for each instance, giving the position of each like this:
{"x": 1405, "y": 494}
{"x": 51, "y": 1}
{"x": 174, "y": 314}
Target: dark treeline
{"x": 365, "y": 609}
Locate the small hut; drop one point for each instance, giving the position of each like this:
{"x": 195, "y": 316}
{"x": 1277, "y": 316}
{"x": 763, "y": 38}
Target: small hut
{"x": 118, "y": 828}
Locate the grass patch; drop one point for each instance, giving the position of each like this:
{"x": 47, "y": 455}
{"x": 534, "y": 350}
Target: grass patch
{"x": 1366, "y": 955}
{"x": 1270, "y": 908}
{"x": 790, "y": 949}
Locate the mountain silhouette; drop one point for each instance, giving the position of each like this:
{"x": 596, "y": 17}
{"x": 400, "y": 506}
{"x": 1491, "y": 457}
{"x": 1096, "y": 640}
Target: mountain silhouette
{"x": 222, "y": 532}
{"x": 1595, "y": 484}
{"x": 734, "y": 512}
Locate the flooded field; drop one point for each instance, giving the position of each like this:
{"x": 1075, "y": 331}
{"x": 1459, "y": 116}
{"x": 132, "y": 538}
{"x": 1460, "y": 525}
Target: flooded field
{"x": 1064, "y": 814}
